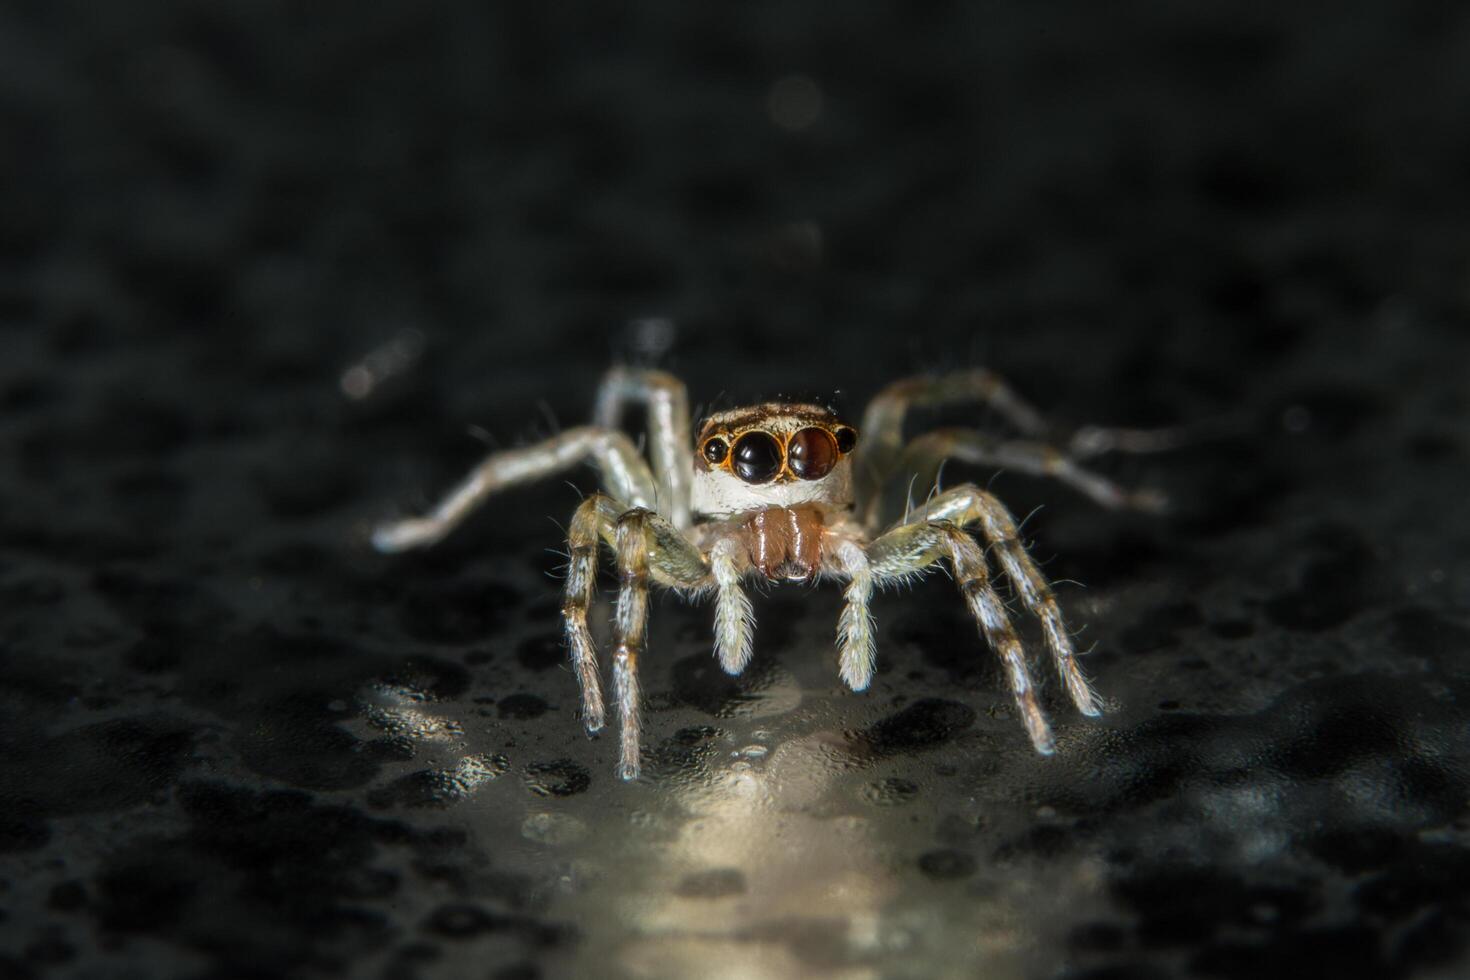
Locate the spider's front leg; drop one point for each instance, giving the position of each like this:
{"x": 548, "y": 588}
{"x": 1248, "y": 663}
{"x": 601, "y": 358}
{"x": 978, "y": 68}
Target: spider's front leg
{"x": 648, "y": 546}
{"x": 967, "y": 505}
{"x": 624, "y": 473}
{"x": 910, "y": 549}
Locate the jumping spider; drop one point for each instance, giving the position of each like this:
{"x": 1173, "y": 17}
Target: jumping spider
{"x": 791, "y": 492}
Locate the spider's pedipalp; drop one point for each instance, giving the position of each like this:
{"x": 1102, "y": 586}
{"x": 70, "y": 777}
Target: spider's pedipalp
{"x": 734, "y": 620}
{"x": 855, "y": 633}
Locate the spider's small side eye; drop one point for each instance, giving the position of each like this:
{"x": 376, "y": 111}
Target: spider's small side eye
{"x": 846, "y": 440}
{"x": 715, "y": 450}
{"x": 757, "y": 457}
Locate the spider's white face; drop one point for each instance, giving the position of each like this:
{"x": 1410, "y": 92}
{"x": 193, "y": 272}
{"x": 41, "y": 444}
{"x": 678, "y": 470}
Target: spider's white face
{"x": 772, "y": 455}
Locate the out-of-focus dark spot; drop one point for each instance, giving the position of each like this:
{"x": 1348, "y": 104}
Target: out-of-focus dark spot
{"x": 518, "y": 971}
{"x": 1345, "y": 951}
{"x": 68, "y": 896}
{"x": 1044, "y": 841}
{"x": 459, "y": 921}
{"x": 1094, "y": 937}
{"x": 1421, "y": 632}
{"x": 946, "y": 864}
{"x": 699, "y": 682}
{"x": 1427, "y": 876}
{"x": 541, "y": 652}
{"x": 154, "y": 654}
{"x": 559, "y": 777}
{"x": 711, "y": 883}
{"x": 1189, "y": 906}
{"x": 1333, "y": 587}
{"x": 522, "y": 706}
{"x": 1159, "y": 627}
{"x": 143, "y": 896}
{"x": 922, "y": 725}
{"x": 306, "y": 484}
{"x": 21, "y": 833}
{"x": 50, "y": 950}
{"x": 465, "y": 612}
{"x": 1237, "y": 180}
{"x": 1233, "y": 629}
{"x": 110, "y": 765}
{"x": 1357, "y": 850}
{"x": 1332, "y": 412}
{"x": 1432, "y": 447}
{"x": 27, "y": 394}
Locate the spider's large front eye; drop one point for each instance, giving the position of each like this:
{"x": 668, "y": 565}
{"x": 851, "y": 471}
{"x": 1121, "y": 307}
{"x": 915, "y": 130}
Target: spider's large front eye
{"x": 757, "y": 457}
{"x": 715, "y": 450}
{"x": 812, "y": 453}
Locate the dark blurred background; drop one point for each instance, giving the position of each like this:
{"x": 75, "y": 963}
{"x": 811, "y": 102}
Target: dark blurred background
{"x": 270, "y": 273}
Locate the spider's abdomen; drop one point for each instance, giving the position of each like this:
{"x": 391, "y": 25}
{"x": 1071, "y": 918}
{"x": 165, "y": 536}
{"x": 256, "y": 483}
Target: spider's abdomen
{"x": 785, "y": 543}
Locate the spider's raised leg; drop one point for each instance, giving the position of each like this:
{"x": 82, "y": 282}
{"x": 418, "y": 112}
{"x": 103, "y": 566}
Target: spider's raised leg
{"x": 647, "y": 546}
{"x": 624, "y": 473}
{"x": 879, "y": 453}
{"x": 924, "y": 456}
{"x": 968, "y": 504}
{"x": 668, "y": 430}
{"x": 909, "y": 549}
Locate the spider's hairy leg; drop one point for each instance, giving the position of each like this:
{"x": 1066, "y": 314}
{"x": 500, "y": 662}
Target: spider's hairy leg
{"x": 734, "y": 621}
{"x": 911, "y": 548}
{"x": 924, "y": 456}
{"x": 624, "y": 474}
{"x": 669, "y": 423}
{"x": 596, "y": 518}
{"x": 648, "y": 546}
{"x": 855, "y": 633}
{"x": 968, "y": 504}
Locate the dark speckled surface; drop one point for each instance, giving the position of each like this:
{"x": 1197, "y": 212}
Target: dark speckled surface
{"x": 236, "y": 743}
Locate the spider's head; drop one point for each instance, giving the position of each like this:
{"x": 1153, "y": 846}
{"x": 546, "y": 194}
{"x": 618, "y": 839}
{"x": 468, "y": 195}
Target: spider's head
{"x": 776, "y": 454}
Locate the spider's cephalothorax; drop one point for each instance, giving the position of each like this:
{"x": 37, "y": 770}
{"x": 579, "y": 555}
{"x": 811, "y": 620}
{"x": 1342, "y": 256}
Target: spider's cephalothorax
{"x": 791, "y": 492}
{"x": 779, "y": 474}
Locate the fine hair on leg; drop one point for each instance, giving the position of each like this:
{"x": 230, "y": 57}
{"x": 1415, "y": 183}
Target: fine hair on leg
{"x": 624, "y": 473}
{"x": 734, "y": 620}
{"x": 968, "y": 504}
{"x": 631, "y": 627}
{"x": 855, "y": 631}
{"x": 910, "y": 549}
{"x": 595, "y": 519}
{"x": 648, "y": 547}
